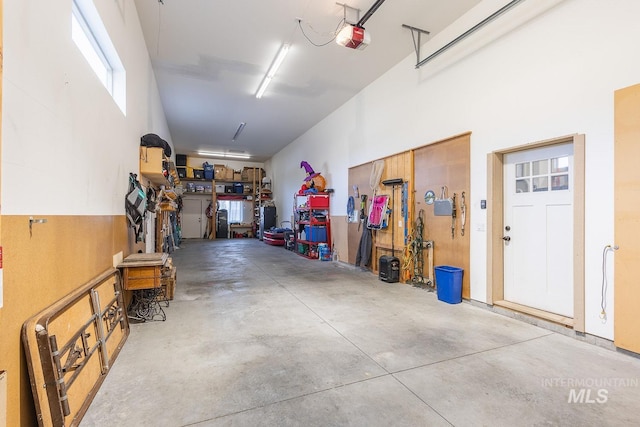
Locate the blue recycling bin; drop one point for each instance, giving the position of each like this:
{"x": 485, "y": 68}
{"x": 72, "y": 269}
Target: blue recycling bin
{"x": 449, "y": 283}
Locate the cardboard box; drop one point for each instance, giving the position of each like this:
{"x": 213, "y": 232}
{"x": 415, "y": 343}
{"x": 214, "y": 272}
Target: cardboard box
{"x": 219, "y": 171}
{"x": 228, "y": 174}
{"x": 237, "y": 176}
{"x": 170, "y": 283}
{"x": 151, "y": 160}
{"x": 253, "y": 174}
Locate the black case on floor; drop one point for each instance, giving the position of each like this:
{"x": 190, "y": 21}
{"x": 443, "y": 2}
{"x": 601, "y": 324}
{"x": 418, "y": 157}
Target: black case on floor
{"x": 389, "y": 269}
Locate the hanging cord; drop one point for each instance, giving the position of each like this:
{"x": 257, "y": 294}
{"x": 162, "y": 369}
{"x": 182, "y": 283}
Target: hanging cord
{"x": 444, "y": 193}
{"x": 407, "y": 257}
{"x": 333, "y": 35}
{"x": 463, "y": 213}
{"x": 605, "y": 284}
{"x": 453, "y": 216}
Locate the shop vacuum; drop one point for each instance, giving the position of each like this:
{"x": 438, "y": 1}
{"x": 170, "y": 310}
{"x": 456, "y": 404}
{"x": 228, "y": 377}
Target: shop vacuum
{"x": 389, "y": 265}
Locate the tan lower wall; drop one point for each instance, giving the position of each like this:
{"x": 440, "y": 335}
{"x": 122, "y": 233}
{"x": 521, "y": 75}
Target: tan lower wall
{"x": 40, "y": 268}
{"x": 339, "y": 236}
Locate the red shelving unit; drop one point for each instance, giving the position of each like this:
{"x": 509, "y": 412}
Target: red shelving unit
{"x": 312, "y": 224}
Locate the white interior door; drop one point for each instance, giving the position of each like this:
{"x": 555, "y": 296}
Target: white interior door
{"x": 192, "y": 219}
{"x": 538, "y": 228}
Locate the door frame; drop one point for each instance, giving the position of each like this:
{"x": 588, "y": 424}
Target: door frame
{"x": 495, "y": 224}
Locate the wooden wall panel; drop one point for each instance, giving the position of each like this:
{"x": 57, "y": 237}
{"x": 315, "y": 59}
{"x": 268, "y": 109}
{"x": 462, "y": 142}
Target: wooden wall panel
{"x": 446, "y": 163}
{"x": 396, "y": 166}
{"x": 41, "y": 268}
{"x": 627, "y": 212}
{"x": 359, "y": 176}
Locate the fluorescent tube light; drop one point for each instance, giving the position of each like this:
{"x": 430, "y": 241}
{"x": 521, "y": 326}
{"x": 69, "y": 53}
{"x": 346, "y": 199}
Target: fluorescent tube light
{"x": 235, "y": 156}
{"x": 273, "y": 69}
{"x": 237, "y": 134}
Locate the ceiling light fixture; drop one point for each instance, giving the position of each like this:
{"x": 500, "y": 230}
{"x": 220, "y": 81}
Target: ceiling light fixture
{"x": 273, "y": 69}
{"x": 233, "y": 156}
{"x": 237, "y": 134}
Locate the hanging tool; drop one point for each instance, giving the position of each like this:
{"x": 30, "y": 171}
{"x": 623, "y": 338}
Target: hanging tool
{"x": 405, "y": 210}
{"x": 363, "y": 208}
{"x": 463, "y": 213}
{"x": 416, "y": 249}
{"x": 453, "y": 216}
{"x": 415, "y": 253}
{"x": 351, "y": 209}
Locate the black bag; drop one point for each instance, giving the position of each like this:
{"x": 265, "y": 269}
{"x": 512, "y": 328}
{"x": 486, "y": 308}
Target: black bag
{"x": 135, "y": 206}
{"x": 153, "y": 140}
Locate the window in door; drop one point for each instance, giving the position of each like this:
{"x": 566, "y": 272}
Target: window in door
{"x": 542, "y": 175}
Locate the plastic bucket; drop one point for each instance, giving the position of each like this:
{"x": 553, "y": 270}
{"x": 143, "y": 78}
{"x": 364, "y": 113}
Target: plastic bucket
{"x": 449, "y": 283}
{"x": 323, "y": 252}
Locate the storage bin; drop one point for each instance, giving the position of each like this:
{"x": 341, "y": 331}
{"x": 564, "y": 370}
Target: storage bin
{"x": 315, "y": 233}
{"x": 238, "y": 188}
{"x": 449, "y": 283}
{"x": 208, "y": 170}
{"x": 219, "y": 188}
{"x": 181, "y": 160}
{"x": 182, "y": 172}
{"x": 303, "y": 248}
{"x": 198, "y": 174}
{"x": 318, "y": 201}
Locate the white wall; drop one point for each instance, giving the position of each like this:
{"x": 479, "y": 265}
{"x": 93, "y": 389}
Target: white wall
{"x": 544, "y": 70}
{"x": 66, "y": 146}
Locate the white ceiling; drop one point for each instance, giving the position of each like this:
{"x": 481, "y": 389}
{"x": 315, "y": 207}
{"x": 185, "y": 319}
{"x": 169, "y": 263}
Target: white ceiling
{"x": 209, "y": 57}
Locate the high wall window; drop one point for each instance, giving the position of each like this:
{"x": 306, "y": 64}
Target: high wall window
{"x": 90, "y": 35}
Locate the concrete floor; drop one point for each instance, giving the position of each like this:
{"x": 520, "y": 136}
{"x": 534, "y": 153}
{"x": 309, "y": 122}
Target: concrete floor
{"x": 259, "y": 336}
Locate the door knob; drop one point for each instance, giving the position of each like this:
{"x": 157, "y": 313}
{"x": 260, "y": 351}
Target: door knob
{"x": 506, "y": 238}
